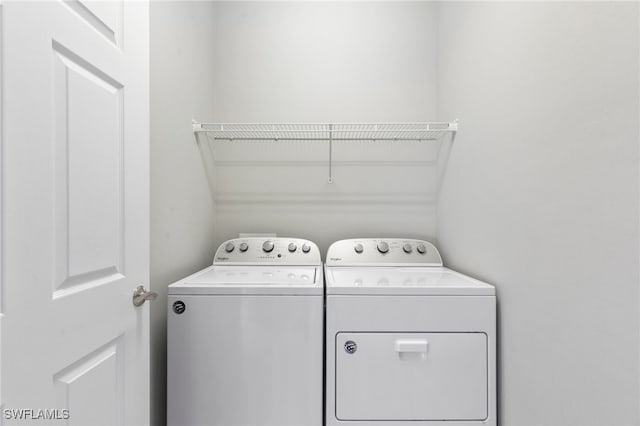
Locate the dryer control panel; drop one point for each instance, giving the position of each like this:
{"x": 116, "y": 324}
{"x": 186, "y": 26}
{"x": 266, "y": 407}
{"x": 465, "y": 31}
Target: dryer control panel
{"x": 267, "y": 251}
{"x": 383, "y": 252}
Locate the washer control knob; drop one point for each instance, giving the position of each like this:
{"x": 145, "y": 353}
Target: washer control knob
{"x": 383, "y": 247}
{"x": 267, "y": 246}
{"x": 358, "y": 248}
{"x": 229, "y": 247}
{"x": 306, "y": 248}
{"x": 421, "y": 249}
{"x": 407, "y": 248}
{"x": 243, "y": 247}
{"x": 292, "y": 247}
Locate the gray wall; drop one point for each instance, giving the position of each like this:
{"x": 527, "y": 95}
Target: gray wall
{"x": 181, "y": 207}
{"x": 325, "y": 62}
{"x": 541, "y": 198}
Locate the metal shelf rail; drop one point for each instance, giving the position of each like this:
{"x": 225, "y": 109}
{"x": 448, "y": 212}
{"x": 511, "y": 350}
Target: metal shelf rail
{"x": 330, "y": 132}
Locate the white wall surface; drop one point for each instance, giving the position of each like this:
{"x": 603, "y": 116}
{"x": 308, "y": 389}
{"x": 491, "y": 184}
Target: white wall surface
{"x": 540, "y": 195}
{"x": 324, "y": 62}
{"x": 181, "y": 207}
{"x": 541, "y": 198}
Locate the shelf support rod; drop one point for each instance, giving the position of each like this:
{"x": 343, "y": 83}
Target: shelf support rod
{"x": 330, "y": 180}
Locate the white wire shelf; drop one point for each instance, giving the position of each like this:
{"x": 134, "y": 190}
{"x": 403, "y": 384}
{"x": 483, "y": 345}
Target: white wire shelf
{"x": 423, "y": 131}
{"x": 329, "y": 132}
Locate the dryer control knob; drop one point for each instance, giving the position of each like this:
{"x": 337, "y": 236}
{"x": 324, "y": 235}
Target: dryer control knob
{"x": 267, "y": 246}
{"x": 306, "y": 248}
{"x": 243, "y": 246}
{"x": 292, "y": 247}
{"x": 229, "y": 247}
{"x": 383, "y": 247}
{"x": 421, "y": 249}
{"x": 407, "y": 248}
{"x": 358, "y": 248}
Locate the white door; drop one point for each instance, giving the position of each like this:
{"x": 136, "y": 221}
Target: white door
{"x": 74, "y": 212}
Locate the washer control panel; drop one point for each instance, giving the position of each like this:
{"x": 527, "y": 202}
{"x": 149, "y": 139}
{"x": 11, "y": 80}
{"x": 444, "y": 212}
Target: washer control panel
{"x": 267, "y": 251}
{"x": 383, "y": 252}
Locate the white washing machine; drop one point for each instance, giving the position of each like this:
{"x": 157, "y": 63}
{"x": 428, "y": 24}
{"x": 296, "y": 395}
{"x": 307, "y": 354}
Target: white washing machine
{"x": 245, "y": 337}
{"x": 408, "y": 342}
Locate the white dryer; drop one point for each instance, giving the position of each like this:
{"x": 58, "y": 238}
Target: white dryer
{"x": 245, "y": 337}
{"x": 408, "y": 342}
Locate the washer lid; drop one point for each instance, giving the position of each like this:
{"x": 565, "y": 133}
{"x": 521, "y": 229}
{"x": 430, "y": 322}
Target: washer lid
{"x": 256, "y": 280}
{"x": 376, "y": 280}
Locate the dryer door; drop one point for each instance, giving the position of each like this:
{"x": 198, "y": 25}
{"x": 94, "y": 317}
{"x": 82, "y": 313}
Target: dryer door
{"x": 411, "y": 376}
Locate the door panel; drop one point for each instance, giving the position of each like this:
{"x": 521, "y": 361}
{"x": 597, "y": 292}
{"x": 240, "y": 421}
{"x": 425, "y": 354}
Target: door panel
{"x": 105, "y": 17}
{"x": 75, "y": 210}
{"x": 88, "y": 179}
{"x": 92, "y": 387}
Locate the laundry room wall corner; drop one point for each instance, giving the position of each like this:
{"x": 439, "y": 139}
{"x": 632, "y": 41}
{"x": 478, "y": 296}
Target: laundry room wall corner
{"x": 182, "y": 233}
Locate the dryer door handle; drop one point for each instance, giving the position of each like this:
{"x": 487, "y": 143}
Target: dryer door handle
{"x": 412, "y": 345}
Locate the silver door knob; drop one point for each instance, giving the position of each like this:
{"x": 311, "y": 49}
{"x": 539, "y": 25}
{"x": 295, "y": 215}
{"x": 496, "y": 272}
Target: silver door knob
{"x": 140, "y": 295}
